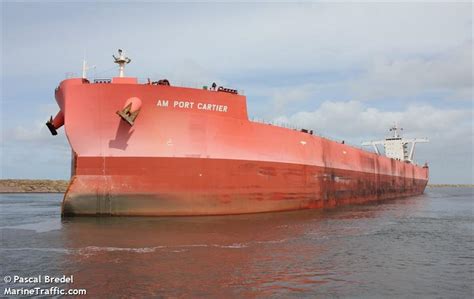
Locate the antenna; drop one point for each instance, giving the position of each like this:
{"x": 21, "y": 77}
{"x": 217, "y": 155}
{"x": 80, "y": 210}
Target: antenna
{"x": 121, "y": 60}
{"x": 396, "y": 130}
{"x": 85, "y": 68}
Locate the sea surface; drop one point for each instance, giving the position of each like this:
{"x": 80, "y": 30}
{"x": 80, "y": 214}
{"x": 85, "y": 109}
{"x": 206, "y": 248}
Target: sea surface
{"x": 417, "y": 247}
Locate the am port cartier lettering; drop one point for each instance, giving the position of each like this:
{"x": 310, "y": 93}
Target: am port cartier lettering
{"x": 191, "y": 105}
{"x": 212, "y": 107}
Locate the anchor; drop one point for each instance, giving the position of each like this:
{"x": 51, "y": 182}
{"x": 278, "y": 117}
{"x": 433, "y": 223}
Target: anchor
{"x": 127, "y": 115}
{"x": 131, "y": 110}
{"x": 56, "y": 123}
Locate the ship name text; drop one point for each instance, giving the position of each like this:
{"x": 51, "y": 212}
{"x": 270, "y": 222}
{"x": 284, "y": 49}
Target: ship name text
{"x": 191, "y": 105}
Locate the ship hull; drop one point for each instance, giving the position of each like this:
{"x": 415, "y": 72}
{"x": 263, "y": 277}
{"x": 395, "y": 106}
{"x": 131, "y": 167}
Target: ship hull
{"x": 194, "y": 152}
{"x": 220, "y": 187}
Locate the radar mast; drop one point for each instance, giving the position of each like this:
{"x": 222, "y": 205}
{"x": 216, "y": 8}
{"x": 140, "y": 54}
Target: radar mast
{"x": 121, "y": 60}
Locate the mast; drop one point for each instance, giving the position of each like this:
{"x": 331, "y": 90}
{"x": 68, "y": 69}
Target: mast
{"x": 121, "y": 60}
{"x": 395, "y": 129}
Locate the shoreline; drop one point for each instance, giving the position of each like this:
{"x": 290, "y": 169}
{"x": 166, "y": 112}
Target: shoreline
{"x": 450, "y": 186}
{"x": 60, "y": 186}
{"x": 33, "y": 186}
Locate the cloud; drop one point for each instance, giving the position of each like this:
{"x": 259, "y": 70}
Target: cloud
{"x": 449, "y": 72}
{"x": 354, "y": 120}
{"x": 229, "y": 37}
{"x": 282, "y": 96}
{"x": 30, "y": 151}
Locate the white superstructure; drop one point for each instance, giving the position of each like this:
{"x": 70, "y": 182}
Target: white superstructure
{"x": 397, "y": 147}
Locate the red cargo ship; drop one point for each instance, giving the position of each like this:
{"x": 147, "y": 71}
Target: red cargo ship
{"x": 155, "y": 149}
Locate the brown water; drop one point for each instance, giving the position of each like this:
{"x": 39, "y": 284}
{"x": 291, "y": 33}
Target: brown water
{"x": 413, "y": 247}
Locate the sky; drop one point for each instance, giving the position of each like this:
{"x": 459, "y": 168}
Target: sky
{"x": 346, "y": 70}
